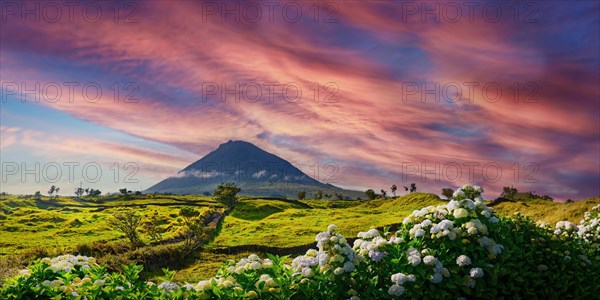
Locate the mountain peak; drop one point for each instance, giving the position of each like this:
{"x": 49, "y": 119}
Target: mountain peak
{"x": 239, "y": 143}
{"x": 256, "y": 171}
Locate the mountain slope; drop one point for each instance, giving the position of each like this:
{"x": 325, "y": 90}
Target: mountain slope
{"x": 257, "y": 172}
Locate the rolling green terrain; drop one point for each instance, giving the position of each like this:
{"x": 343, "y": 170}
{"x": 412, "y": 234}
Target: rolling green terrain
{"x": 62, "y": 223}
{"x": 32, "y": 228}
{"x": 547, "y": 211}
{"x": 279, "y": 224}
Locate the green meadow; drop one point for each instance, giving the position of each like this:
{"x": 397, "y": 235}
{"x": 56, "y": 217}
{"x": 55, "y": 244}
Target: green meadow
{"x": 33, "y": 228}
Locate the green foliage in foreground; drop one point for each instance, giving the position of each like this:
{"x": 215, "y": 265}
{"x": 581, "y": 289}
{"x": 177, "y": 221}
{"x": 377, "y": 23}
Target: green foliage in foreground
{"x": 458, "y": 249}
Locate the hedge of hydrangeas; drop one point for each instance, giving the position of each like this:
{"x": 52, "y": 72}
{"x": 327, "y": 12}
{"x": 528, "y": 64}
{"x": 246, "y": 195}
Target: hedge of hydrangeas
{"x": 459, "y": 250}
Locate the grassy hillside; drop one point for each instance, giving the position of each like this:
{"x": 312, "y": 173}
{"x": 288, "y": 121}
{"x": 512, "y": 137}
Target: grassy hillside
{"x": 547, "y": 211}
{"x": 62, "y": 223}
{"x": 280, "y": 224}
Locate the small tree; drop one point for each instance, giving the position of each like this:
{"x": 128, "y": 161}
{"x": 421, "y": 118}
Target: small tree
{"x": 338, "y": 196}
{"x": 319, "y": 195}
{"x": 413, "y": 187}
{"x": 56, "y": 190}
{"x": 127, "y": 222}
{"x": 95, "y": 193}
{"x": 123, "y": 191}
{"x": 447, "y": 192}
{"x": 226, "y": 194}
{"x": 152, "y": 228}
{"x": 37, "y": 195}
{"x": 301, "y": 195}
{"x": 51, "y": 190}
{"x": 383, "y": 194}
{"x": 370, "y": 194}
{"x": 194, "y": 231}
{"x": 79, "y": 192}
{"x": 405, "y": 189}
{"x": 394, "y": 188}
{"x": 508, "y": 192}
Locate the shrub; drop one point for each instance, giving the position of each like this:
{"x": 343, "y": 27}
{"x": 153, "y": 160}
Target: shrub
{"x": 127, "y": 221}
{"x": 152, "y": 228}
{"x": 301, "y": 195}
{"x": 226, "y": 194}
{"x": 194, "y": 231}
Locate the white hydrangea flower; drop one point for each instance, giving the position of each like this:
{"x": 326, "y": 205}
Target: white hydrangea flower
{"x": 463, "y": 260}
{"x": 338, "y": 271}
{"x": 458, "y": 194}
{"x": 429, "y": 260}
{"x": 468, "y": 203}
{"x": 453, "y": 204}
{"x": 460, "y": 213}
{"x": 308, "y": 272}
{"x": 476, "y": 273}
{"x": 414, "y": 260}
{"x": 401, "y": 278}
{"x": 396, "y": 290}
{"x": 168, "y": 286}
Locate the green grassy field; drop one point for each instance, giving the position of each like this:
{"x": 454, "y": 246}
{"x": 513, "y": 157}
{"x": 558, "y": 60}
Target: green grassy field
{"x": 547, "y": 211}
{"x": 280, "y": 224}
{"x": 61, "y": 225}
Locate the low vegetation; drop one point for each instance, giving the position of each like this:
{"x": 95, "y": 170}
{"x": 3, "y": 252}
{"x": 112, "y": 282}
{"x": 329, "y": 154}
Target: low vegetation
{"x": 437, "y": 249}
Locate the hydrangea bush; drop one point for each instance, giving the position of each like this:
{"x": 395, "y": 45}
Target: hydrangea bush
{"x": 457, "y": 250}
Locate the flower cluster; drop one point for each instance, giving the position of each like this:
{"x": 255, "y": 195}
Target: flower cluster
{"x": 266, "y": 283}
{"x": 66, "y": 263}
{"x": 589, "y": 227}
{"x": 465, "y": 217}
{"x": 398, "y": 280}
{"x": 493, "y": 248}
{"x": 334, "y": 254}
{"x": 463, "y": 261}
{"x": 565, "y": 228}
{"x": 439, "y": 272}
{"x": 474, "y": 273}
{"x": 253, "y": 262}
{"x": 370, "y": 244}
{"x": 461, "y": 217}
{"x": 168, "y": 286}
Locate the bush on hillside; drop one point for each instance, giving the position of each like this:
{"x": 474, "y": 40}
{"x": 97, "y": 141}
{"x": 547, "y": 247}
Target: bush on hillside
{"x": 226, "y": 194}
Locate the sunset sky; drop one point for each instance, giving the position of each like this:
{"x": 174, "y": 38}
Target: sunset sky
{"x": 388, "y": 103}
